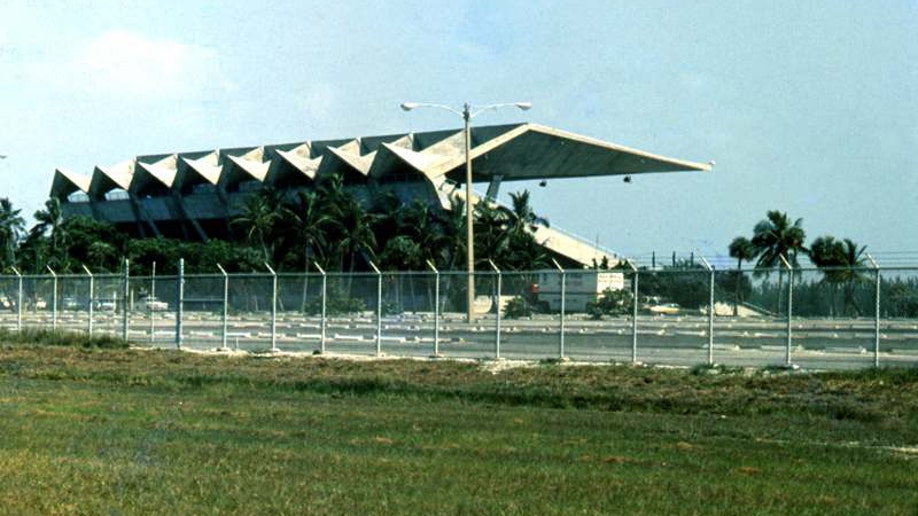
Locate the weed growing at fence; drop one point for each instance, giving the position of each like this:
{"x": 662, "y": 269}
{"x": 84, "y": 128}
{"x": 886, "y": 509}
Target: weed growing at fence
{"x": 336, "y": 304}
{"x": 90, "y": 430}
{"x": 43, "y": 337}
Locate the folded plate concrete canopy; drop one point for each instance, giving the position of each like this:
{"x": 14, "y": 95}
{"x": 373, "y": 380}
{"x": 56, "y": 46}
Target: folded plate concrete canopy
{"x": 191, "y": 194}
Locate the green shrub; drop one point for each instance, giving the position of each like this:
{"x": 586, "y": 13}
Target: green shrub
{"x": 337, "y": 304}
{"x": 612, "y": 302}
{"x": 390, "y": 308}
{"x": 516, "y": 308}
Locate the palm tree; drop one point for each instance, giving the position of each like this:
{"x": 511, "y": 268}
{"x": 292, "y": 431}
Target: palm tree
{"x": 841, "y": 262}
{"x": 524, "y": 216}
{"x": 310, "y": 223}
{"x": 774, "y": 237}
{"x": 523, "y": 251}
{"x": 260, "y": 214}
{"x": 742, "y": 249}
{"x": 11, "y": 227}
{"x": 389, "y": 220}
{"x": 408, "y": 236}
{"x": 420, "y": 223}
{"x": 451, "y": 254}
{"x": 853, "y": 261}
{"x": 332, "y": 195}
{"x": 492, "y": 233}
{"x": 402, "y": 253}
{"x": 51, "y": 221}
{"x": 825, "y": 253}
{"x": 452, "y": 227}
{"x": 524, "y": 254}
{"x": 357, "y": 233}
{"x": 310, "y": 226}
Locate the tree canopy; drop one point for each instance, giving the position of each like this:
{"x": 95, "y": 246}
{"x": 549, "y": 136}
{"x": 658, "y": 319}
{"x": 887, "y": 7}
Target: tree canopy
{"x": 327, "y": 225}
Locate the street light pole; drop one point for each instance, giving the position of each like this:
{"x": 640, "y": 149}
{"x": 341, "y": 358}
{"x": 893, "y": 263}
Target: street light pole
{"x": 469, "y": 228}
{"x": 467, "y": 116}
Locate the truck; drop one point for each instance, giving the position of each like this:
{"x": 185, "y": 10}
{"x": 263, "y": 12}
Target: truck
{"x": 580, "y": 288}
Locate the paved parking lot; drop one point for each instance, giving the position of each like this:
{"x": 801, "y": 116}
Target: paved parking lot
{"x": 671, "y": 340}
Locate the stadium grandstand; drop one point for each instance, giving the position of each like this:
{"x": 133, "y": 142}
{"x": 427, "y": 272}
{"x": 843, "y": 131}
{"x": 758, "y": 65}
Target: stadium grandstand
{"x": 194, "y": 195}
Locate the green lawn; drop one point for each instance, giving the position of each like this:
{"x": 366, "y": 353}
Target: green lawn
{"x": 122, "y": 431}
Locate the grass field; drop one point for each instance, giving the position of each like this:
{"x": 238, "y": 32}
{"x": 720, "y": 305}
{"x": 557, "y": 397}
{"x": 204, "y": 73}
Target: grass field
{"x": 118, "y": 431}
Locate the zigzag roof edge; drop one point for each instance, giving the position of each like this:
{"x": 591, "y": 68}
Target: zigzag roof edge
{"x": 201, "y": 168}
{"x": 419, "y": 161}
{"x": 155, "y": 171}
{"x": 118, "y": 176}
{"x": 350, "y": 160}
{"x": 66, "y": 182}
{"x": 257, "y": 170}
{"x": 306, "y": 165}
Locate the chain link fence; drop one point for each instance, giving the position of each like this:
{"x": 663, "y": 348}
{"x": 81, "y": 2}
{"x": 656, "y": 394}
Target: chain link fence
{"x": 813, "y": 318}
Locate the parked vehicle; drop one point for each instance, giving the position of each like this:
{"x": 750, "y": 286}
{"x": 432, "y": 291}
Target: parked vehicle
{"x": 155, "y": 305}
{"x": 105, "y": 305}
{"x": 665, "y": 309}
{"x": 70, "y": 303}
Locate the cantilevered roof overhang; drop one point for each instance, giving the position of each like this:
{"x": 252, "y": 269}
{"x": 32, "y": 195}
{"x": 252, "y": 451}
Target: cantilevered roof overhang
{"x": 532, "y": 151}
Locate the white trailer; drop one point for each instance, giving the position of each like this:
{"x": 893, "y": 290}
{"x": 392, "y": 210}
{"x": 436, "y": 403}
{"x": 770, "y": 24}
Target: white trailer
{"x": 581, "y": 288}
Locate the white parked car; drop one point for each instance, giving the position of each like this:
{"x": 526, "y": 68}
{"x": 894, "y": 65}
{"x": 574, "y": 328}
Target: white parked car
{"x": 70, "y": 303}
{"x": 105, "y": 304}
{"x": 155, "y": 305}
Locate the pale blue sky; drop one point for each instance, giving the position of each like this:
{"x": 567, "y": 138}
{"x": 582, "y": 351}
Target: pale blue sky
{"x": 810, "y": 107}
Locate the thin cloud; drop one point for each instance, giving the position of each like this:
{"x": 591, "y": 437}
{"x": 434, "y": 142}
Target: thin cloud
{"x": 128, "y": 63}
{"x": 318, "y": 101}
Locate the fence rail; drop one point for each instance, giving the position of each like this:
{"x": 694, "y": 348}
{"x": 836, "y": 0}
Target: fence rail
{"x": 815, "y": 318}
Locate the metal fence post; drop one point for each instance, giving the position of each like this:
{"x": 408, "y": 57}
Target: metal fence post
{"x": 223, "y": 334}
{"x": 563, "y": 307}
{"x": 53, "y": 299}
{"x": 322, "y": 322}
{"x": 436, "y": 352}
{"x": 497, "y": 328}
{"x": 92, "y": 292}
{"x": 180, "y": 303}
{"x": 790, "y": 309}
{"x": 18, "y": 301}
{"x": 876, "y": 318}
{"x": 273, "y": 309}
{"x": 634, "y": 313}
{"x": 150, "y": 300}
{"x": 378, "y": 308}
{"x": 710, "y": 269}
{"x": 125, "y": 292}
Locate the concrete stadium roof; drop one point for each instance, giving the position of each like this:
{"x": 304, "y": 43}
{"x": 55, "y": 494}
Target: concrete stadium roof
{"x": 505, "y": 152}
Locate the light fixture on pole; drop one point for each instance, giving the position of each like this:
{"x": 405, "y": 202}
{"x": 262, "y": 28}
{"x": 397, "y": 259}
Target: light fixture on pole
{"x": 467, "y": 115}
